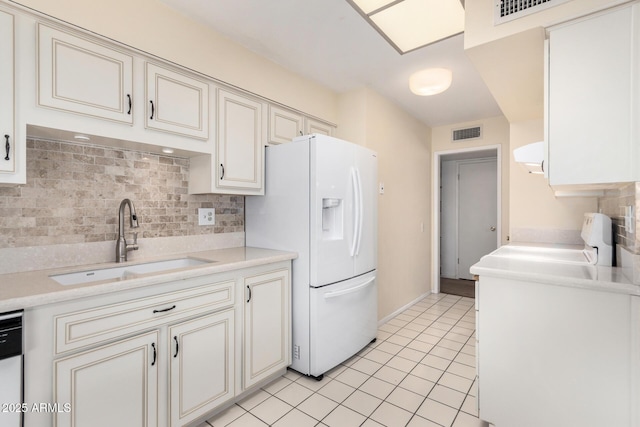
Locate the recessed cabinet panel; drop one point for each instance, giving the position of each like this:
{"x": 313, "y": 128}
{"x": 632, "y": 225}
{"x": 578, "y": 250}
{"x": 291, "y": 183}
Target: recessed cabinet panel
{"x": 177, "y": 103}
{"x": 267, "y": 326}
{"x": 202, "y": 365}
{"x": 7, "y": 84}
{"x": 316, "y": 126}
{"x": 83, "y": 77}
{"x": 113, "y": 385}
{"x": 284, "y": 125}
{"x": 240, "y": 142}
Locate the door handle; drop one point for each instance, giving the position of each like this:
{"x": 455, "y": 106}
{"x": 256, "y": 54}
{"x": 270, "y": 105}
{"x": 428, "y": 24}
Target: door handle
{"x": 492, "y": 228}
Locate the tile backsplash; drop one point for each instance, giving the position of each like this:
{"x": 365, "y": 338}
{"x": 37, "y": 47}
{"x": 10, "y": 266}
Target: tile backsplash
{"x": 621, "y": 205}
{"x": 73, "y": 192}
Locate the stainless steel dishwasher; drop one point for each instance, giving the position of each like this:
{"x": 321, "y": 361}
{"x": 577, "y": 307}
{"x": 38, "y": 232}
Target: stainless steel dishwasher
{"x": 11, "y": 391}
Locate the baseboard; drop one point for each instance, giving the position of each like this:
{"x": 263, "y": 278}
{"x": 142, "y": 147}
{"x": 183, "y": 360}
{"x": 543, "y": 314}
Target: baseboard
{"x": 401, "y": 309}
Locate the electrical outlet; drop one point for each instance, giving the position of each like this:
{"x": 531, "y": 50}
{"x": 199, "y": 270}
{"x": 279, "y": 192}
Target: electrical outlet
{"x": 206, "y": 216}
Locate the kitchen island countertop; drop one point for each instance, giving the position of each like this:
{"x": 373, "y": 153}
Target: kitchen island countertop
{"x": 35, "y": 288}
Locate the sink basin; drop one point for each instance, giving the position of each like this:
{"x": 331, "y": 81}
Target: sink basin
{"x": 126, "y": 271}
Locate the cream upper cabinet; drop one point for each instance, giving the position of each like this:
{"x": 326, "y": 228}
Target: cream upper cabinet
{"x": 284, "y": 125}
{"x": 240, "y": 146}
{"x": 112, "y": 385}
{"x": 176, "y": 102}
{"x": 267, "y": 325}
{"x": 84, "y": 77}
{"x": 201, "y": 365}
{"x": 593, "y": 99}
{"x": 7, "y": 85}
{"x": 316, "y": 126}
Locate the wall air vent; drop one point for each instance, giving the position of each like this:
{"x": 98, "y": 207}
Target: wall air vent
{"x": 467, "y": 133}
{"x": 507, "y": 10}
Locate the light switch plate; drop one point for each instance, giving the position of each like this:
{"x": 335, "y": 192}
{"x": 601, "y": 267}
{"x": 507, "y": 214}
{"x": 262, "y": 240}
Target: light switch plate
{"x": 206, "y": 216}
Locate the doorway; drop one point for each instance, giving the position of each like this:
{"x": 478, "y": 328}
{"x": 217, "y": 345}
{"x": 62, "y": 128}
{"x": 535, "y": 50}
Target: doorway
{"x": 466, "y": 222}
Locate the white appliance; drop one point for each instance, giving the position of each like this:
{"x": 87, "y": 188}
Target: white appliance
{"x": 11, "y": 395}
{"x": 320, "y": 201}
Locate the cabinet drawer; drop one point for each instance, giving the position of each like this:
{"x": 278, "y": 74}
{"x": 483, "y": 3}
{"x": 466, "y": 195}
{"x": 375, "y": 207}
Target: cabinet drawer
{"x": 77, "y": 329}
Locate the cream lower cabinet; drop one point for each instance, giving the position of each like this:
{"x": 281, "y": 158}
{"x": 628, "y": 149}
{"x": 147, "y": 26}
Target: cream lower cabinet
{"x": 201, "y": 365}
{"x": 112, "y": 385}
{"x": 167, "y": 355}
{"x": 267, "y": 325}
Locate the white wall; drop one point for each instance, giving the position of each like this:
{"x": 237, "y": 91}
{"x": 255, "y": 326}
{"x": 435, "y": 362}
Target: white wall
{"x": 404, "y": 158}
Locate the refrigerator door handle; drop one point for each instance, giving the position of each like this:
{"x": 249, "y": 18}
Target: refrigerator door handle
{"x": 360, "y": 211}
{"x": 329, "y": 295}
{"x": 356, "y": 212}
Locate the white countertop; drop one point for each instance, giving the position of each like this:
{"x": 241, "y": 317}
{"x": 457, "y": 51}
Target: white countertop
{"x": 34, "y": 288}
{"x": 553, "y": 264}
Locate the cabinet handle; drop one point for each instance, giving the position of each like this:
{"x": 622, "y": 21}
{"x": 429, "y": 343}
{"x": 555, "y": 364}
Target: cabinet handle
{"x": 7, "y": 147}
{"x": 165, "y": 309}
{"x": 129, "y": 96}
{"x": 175, "y": 338}
{"x": 222, "y": 166}
{"x": 153, "y": 345}
{"x": 542, "y": 166}
{"x": 249, "y": 299}
{"x": 152, "y": 109}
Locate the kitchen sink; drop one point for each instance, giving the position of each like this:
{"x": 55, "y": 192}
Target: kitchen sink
{"x": 126, "y": 271}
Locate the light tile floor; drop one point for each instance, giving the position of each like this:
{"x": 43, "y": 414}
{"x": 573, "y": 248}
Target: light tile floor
{"x": 419, "y": 372}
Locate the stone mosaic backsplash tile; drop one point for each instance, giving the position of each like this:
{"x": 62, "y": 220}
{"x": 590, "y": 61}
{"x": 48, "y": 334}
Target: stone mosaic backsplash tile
{"x": 73, "y": 192}
{"x": 621, "y": 205}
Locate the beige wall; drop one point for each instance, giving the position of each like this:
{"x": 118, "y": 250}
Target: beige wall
{"x": 495, "y": 131}
{"x": 151, "y": 26}
{"x": 535, "y": 213}
{"x": 404, "y": 165}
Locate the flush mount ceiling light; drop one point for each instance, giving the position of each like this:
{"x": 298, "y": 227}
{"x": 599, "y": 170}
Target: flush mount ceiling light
{"x": 81, "y": 137}
{"x": 411, "y": 24}
{"x": 430, "y": 81}
{"x": 167, "y": 150}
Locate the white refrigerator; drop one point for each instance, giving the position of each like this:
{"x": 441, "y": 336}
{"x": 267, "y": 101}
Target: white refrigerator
{"x": 321, "y": 202}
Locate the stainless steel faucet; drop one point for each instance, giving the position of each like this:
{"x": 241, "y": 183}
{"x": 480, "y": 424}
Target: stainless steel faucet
{"x": 122, "y": 247}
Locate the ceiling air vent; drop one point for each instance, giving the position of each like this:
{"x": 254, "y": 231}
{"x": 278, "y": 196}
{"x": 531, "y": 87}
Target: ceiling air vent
{"x": 507, "y": 10}
{"x": 467, "y": 133}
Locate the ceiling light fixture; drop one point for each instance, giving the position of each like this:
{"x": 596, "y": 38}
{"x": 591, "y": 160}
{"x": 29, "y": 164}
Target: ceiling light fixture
{"x": 167, "y": 150}
{"x": 80, "y": 137}
{"x": 430, "y": 81}
{"x": 411, "y": 24}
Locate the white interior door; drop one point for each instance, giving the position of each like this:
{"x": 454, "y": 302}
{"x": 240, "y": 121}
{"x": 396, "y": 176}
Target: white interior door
{"x": 477, "y": 212}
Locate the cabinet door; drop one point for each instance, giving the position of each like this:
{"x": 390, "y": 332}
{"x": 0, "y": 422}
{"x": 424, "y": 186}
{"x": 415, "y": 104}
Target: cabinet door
{"x": 176, "y": 103}
{"x": 316, "y": 126}
{"x": 240, "y": 142}
{"x": 590, "y": 101}
{"x": 284, "y": 125}
{"x": 7, "y": 79}
{"x": 267, "y": 331}
{"x": 202, "y": 366}
{"x": 113, "y": 385}
{"x": 80, "y": 76}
